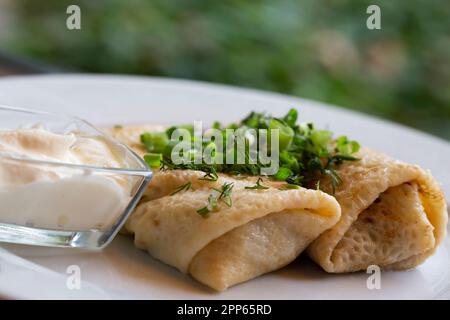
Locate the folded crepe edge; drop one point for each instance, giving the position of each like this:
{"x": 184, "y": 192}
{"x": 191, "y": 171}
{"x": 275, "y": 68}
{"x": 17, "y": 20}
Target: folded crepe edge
{"x": 316, "y": 202}
{"x": 435, "y": 207}
{"x": 261, "y": 246}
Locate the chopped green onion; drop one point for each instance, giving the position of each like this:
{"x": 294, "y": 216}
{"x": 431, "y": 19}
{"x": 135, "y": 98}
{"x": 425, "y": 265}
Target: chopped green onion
{"x": 188, "y": 127}
{"x": 283, "y": 173}
{"x": 346, "y": 147}
{"x": 306, "y": 154}
{"x": 153, "y": 160}
{"x": 288, "y": 160}
{"x": 286, "y": 133}
{"x": 320, "y": 142}
{"x": 291, "y": 118}
{"x": 155, "y": 141}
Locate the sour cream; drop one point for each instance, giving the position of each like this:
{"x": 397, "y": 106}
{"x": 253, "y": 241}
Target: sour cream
{"x": 57, "y": 196}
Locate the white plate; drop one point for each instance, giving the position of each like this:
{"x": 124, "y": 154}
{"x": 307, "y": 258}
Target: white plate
{"x": 121, "y": 271}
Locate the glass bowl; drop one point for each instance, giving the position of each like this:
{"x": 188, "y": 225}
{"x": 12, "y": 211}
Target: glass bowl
{"x": 64, "y": 203}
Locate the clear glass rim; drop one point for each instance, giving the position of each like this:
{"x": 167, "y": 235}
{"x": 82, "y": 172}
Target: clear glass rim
{"x": 144, "y": 171}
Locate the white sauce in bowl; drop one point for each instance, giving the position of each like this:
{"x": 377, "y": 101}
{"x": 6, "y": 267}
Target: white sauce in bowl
{"x": 59, "y": 197}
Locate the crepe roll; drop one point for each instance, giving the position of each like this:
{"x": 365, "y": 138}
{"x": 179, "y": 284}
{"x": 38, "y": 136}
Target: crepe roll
{"x": 262, "y": 231}
{"x": 393, "y": 215}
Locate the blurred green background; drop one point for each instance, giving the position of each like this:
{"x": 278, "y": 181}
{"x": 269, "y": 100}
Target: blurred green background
{"x": 317, "y": 49}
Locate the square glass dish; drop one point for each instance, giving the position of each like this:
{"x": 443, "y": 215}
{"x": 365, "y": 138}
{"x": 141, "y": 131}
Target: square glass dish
{"x": 63, "y": 182}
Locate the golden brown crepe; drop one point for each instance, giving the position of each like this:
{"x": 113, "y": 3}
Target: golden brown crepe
{"x": 262, "y": 231}
{"x": 393, "y": 215}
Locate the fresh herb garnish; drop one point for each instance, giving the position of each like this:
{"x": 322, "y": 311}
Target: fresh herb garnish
{"x": 289, "y": 186}
{"x": 211, "y": 175}
{"x": 153, "y": 160}
{"x": 183, "y": 187}
{"x": 283, "y": 174}
{"x": 155, "y": 142}
{"x": 223, "y": 194}
{"x": 258, "y": 185}
{"x": 306, "y": 154}
{"x": 203, "y": 211}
